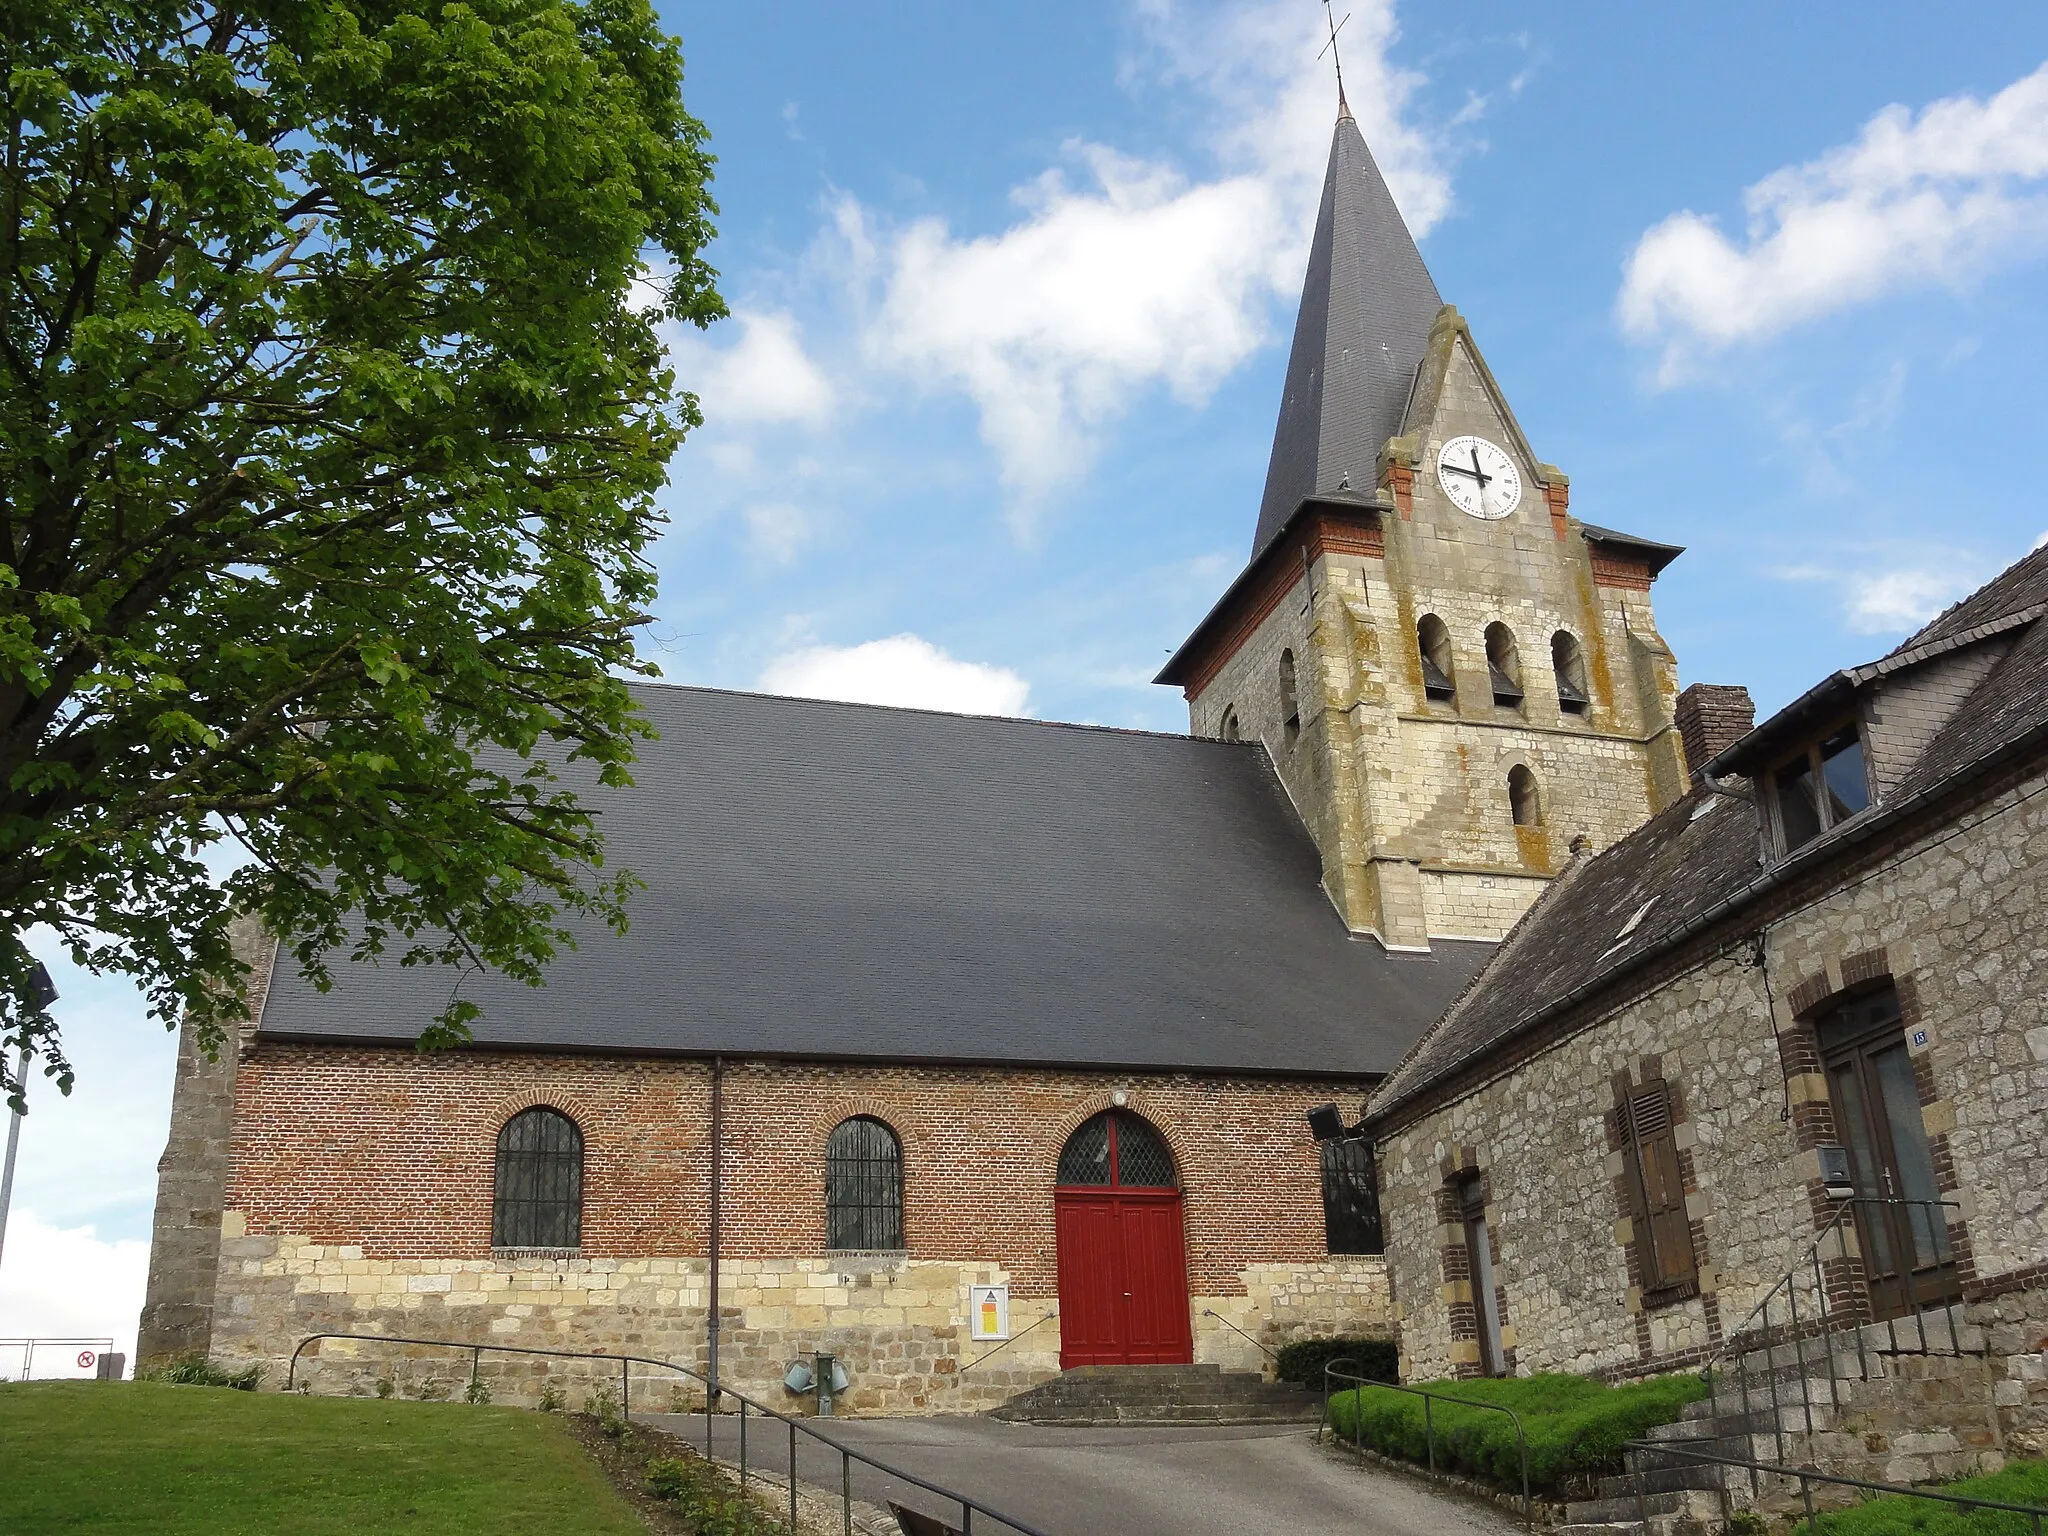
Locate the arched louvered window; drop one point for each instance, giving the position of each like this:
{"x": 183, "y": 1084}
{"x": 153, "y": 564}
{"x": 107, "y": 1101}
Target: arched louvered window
{"x": 539, "y": 1186}
{"x": 1568, "y": 660}
{"x": 1433, "y": 641}
{"x": 1290, "y": 704}
{"x": 1523, "y": 800}
{"x": 1228, "y": 729}
{"x": 1117, "y": 1147}
{"x": 1504, "y": 666}
{"x": 863, "y": 1186}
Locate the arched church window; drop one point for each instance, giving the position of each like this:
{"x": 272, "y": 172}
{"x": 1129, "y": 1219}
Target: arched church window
{"x": 1290, "y": 707}
{"x": 863, "y": 1186}
{"x": 1117, "y": 1147}
{"x": 1503, "y": 666}
{"x": 539, "y": 1184}
{"x": 1228, "y": 729}
{"x": 1523, "y": 800}
{"x": 1568, "y": 660}
{"x": 1433, "y": 640}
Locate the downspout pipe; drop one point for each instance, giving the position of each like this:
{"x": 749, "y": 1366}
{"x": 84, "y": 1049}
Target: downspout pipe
{"x": 717, "y": 1205}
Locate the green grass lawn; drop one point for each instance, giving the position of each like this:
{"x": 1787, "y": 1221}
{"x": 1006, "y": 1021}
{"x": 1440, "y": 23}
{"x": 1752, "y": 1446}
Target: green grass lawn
{"x": 2023, "y": 1482}
{"x": 139, "y": 1456}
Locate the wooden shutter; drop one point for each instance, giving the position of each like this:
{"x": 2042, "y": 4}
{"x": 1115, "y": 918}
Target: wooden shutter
{"x": 1663, "y": 1231}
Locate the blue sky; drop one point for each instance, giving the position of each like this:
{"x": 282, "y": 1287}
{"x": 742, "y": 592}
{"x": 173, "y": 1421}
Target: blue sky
{"x": 1012, "y": 290}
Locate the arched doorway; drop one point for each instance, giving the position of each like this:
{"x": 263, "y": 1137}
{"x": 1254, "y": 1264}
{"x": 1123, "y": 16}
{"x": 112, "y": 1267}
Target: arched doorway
{"x": 1122, "y": 1256}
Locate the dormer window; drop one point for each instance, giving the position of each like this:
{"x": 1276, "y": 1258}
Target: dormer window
{"x": 1821, "y": 786}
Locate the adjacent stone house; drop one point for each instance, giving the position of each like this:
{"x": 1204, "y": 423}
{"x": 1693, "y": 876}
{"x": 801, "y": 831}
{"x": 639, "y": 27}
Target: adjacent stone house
{"x": 1807, "y": 996}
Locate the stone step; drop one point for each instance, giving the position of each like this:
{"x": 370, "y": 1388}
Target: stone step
{"x": 1682, "y": 1503}
{"x": 1675, "y": 1478}
{"x": 1656, "y": 1525}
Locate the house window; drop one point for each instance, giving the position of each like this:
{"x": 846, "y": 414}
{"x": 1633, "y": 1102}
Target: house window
{"x": 1667, "y": 1269}
{"x": 1433, "y": 641}
{"x": 1568, "y": 661}
{"x": 1290, "y": 707}
{"x": 1351, "y": 1197}
{"x": 1824, "y": 784}
{"x": 1503, "y": 666}
{"x": 1227, "y": 729}
{"x": 539, "y": 1183}
{"x": 1117, "y": 1147}
{"x": 1523, "y": 801}
{"x": 863, "y": 1186}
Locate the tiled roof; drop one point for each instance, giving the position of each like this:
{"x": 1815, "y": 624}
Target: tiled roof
{"x": 847, "y": 881}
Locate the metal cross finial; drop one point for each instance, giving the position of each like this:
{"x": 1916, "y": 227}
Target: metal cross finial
{"x": 1336, "y": 58}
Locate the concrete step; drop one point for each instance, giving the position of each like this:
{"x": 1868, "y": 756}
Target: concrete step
{"x": 1656, "y": 1525}
{"x": 1674, "y": 1478}
{"x": 1160, "y": 1394}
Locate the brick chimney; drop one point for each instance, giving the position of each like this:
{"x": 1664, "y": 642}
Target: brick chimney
{"x": 1710, "y": 716}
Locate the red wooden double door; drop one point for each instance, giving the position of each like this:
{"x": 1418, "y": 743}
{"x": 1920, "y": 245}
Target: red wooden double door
{"x": 1122, "y": 1251}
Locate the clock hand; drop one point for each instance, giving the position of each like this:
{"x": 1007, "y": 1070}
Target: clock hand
{"x": 1483, "y": 479}
{"x": 1459, "y": 469}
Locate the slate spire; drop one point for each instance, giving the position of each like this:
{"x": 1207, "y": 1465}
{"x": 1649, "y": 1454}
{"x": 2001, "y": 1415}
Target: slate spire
{"x": 1366, "y": 308}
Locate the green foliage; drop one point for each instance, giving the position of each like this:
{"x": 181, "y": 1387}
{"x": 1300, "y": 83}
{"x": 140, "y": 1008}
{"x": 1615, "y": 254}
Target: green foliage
{"x": 602, "y": 1404}
{"x": 1374, "y": 1359}
{"x": 198, "y": 1371}
{"x": 386, "y": 1387}
{"x": 478, "y": 1391}
{"x": 114, "y": 1458}
{"x": 710, "y": 1499}
{"x": 332, "y": 410}
{"x": 551, "y": 1398}
{"x": 2021, "y": 1482}
{"x": 1575, "y": 1425}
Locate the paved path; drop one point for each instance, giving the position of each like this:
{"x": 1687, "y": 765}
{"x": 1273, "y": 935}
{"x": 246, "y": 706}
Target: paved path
{"x": 1197, "y": 1481}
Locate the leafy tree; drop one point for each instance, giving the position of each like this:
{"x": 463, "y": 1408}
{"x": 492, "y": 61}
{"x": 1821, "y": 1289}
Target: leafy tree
{"x": 333, "y": 412}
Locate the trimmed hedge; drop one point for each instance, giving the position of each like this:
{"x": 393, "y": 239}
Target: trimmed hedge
{"x": 1576, "y": 1426}
{"x": 2021, "y": 1482}
{"x": 1377, "y": 1359}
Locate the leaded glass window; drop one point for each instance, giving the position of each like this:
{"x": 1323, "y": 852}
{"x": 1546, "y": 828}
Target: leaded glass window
{"x": 1116, "y": 1147}
{"x": 863, "y": 1186}
{"x": 1351, "y": 1199}
{"x": 539, "y": 1199}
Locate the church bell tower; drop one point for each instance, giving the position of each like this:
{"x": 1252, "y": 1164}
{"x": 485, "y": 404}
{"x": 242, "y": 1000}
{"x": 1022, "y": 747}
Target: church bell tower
{"x": 1455, "y": 677}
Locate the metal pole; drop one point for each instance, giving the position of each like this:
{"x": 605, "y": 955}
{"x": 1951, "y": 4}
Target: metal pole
{"x": 846, "y": 1491}
{"x": 966, "y": 1518}
{"x": 626, "y": 1390}
{"x": 743, "y": 1444}
{"x": 1428, "y": 1433}
{"x": 13, "y": 1141}
{"x": 792, "y": 1474}
{"x": 1642, "y": 1506}
{"x": 1806, "y": 1493}
{"x": 717, "y": 1202}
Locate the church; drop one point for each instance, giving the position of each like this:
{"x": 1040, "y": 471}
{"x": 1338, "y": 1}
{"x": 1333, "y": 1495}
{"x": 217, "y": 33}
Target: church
{"x": 970, "y": 1049}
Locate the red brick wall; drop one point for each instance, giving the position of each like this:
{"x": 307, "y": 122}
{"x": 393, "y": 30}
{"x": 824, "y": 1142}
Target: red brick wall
{"x": 392, "y": 1151}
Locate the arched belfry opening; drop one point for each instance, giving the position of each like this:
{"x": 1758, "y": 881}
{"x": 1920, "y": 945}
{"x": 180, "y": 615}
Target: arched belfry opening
{"x": 1504, "y": 666}
{"x": 1123, "y": 1274}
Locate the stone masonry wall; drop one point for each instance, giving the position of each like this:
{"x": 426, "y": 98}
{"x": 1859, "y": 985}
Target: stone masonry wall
{"x": 360, "y": 1194}
{"x": 1954, "y": 921}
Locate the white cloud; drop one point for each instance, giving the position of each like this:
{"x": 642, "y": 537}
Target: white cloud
{"x": 1894, "y": 601}
{"x": 779, "y": 529}
{"x": 1121, "y": 273}
{"x": 64, "y": 1282}
{"x": 764, "y": 377}
{"x": 903, "y": 669}
{"x": 1932, "y": 198}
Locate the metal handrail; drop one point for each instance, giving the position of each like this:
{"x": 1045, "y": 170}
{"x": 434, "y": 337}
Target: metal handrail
{"x": 969, "y": 1507}
{"x": 1428, "y": 1418}
{"x": 1255, "y": 1344}
{"x": 1807, "y": 1476}
{"x": 1741, "y": 1342}
{"x": 1013, "y": 1338}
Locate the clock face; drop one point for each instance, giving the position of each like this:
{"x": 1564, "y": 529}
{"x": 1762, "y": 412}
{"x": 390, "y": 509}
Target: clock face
{"x": 1479, "y": 477}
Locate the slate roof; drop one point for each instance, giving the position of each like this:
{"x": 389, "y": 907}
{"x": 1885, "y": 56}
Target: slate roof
{"x": 847, "y": 881}
{"x": 1698, "y": 863}
{"x": 1367, "y": 304}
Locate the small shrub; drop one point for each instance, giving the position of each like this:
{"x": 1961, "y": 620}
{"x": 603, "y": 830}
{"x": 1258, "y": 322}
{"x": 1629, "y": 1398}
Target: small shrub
{"x": 603, "y": 1405}
{"x": 386, "y": 1387}
{"x": 708, "y": 1498}
{"x": 550, "y": 1398}
{"x": 198, "y": 1371}
{"x": 1374, "y": 1359}
{"x": 1576, "y": 1426}
{"x": 432, "y": 1391}
{"x": 478, "y": 1391}
{"x": 1747, "y": 1522}
{"x": 679, "y": 1400}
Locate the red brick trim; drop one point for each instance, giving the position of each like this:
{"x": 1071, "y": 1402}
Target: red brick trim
{"x": 2026, "y": 1278}
{"x": 1620, "y": 571}
{"x": 1400, "y": 479}
{"x": 1558, "y": 496}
